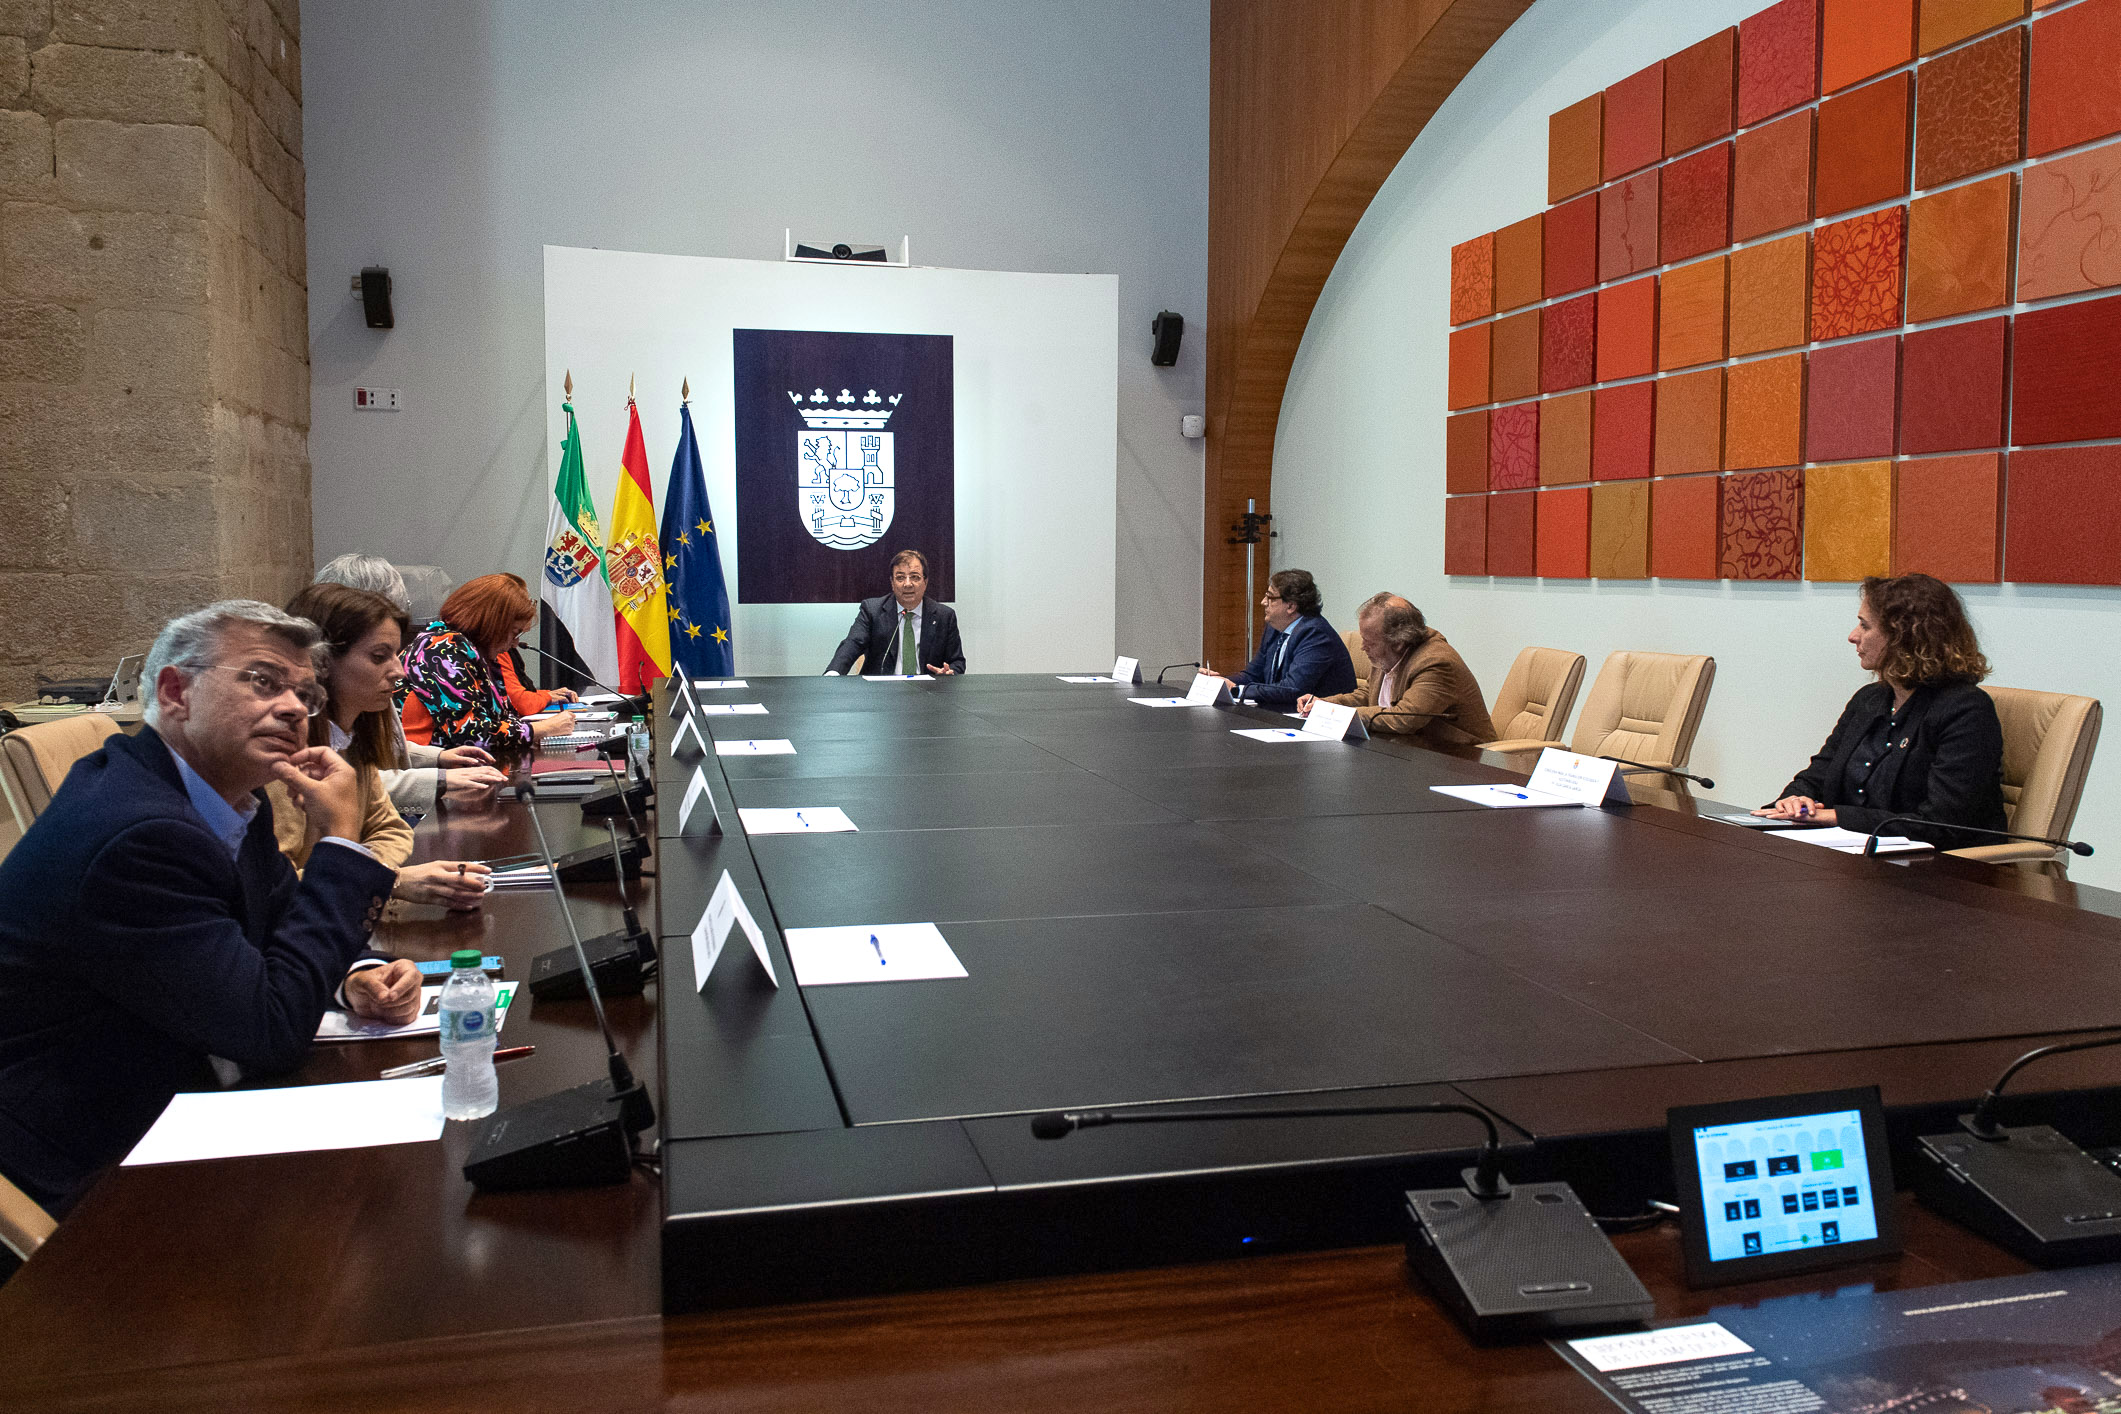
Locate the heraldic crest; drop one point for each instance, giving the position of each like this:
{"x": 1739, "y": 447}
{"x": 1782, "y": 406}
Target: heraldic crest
{"x": 844, "y": 467}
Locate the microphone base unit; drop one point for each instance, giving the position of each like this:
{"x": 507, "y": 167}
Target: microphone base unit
{"x": 593, "y": 864}
{"x": 576, "y": 1138}
{"x": 2033, "y": 1192}
{"x": 610, "y": 801}
{"x": 620, "y": 961}
{"x": 1521, "y": 1267}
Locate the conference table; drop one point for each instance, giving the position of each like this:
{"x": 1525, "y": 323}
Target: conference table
{"x": 1150, "y": 909}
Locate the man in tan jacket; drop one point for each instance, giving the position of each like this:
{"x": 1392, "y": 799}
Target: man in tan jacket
{"x": 1418, "y": 685}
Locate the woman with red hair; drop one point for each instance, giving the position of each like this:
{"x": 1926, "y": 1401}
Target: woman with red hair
{"x": 454, "y": 693}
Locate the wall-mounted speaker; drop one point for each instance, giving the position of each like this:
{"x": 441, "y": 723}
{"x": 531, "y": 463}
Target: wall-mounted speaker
{"x": 373, "y": 285}
{"x": 1168, "y": 329}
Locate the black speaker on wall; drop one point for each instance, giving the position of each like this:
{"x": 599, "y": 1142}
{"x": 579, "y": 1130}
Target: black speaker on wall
{"x": 375, "y": 297}
{"x": 1168, "y": 328}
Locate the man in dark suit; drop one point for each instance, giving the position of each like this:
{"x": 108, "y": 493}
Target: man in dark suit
{"x": 152, "y": 936}
{"x": 1299, "y": 653}
{"x": 903, "y": 632}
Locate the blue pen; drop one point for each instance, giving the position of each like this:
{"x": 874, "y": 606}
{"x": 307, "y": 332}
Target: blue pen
{"x": 800, "y": 820}
{"x": 880, "y": 959}
{"x": 1518, "y": 793}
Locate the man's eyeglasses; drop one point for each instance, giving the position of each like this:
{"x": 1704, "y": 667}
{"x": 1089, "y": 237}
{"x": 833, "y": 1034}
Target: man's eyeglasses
{"x": 269, "y": 685}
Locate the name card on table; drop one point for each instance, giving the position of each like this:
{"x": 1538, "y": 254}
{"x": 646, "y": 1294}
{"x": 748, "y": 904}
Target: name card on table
{"x": 689, "y": 723}
{"x": 734, "y": 709}
{"x": 1335, "y": 721}
{"x": 726, "y": 910}
{"x": 1208, "y": 690}
{"x": 1588, "y": 780}
{"x": 1126, "y": 670}
{"x": 709, "y": 684}
{"x": 694, "y": 790}
{"x": 777, "y": 746}
{"x": 682, "y": 701}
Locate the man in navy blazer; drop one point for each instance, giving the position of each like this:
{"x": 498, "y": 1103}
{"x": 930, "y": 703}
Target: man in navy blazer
{"x": 1299, "y": 654}
{"x": 152, "y": 936}
{"x": 885, "y": 625}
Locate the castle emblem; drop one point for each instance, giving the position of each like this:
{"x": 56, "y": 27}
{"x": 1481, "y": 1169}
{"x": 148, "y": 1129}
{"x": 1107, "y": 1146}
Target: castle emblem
{"x": 843, "y": 481}
{"x": 636, "y": 571}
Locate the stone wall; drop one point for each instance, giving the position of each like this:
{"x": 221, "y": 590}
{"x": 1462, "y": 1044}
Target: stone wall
{"x": 154, "y": 344}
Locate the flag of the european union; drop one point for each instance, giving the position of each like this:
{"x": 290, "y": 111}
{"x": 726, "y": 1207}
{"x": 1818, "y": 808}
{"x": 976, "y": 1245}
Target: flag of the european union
{"x": 700, "y": 644}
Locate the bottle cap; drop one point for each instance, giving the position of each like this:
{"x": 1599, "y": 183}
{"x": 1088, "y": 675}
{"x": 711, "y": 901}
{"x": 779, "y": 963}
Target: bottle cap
{"x": 464, "y": 957}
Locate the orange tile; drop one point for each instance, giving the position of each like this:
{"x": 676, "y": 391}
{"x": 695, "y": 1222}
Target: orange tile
{"x": 1690, "y": 426}
{"x": 1863, "y": 146}
{"x": 1620, "y": 530}
{"x": 1470, "y": 352}
{"x": 1949, "y": 21}
{"x": 1563, "y": 534}
{"x": 1520, "y": 271}
{"x": 1968, "y": 116}
{"x": 2073, "y": 96}
{"x": 1473, "y": 279}
{"x": 1627, "y": 329}
{"x": 1634, "y": 122}
{"x": 2069, "y": 224}
{"x": 1683, "y": 516}
{"x": 1959, "y": 250}
{"x": 1573, "y": 148}
{"x": 1690, "y": 314}
{"x": 1859, "y": 38}
{"x": 1769, "y": 285}
{"x": 1762, "y": 525}
{"x": 1948, "y": 518}
{"x": 1516, "y": 371}
{"x": 1564, "y": 439}
{"x": 1465, "y": 453}
{"x": 1856, "y": 274}
{"x": 1763, "y": 419}
{"x": 1700, "y": 86}
{"x": 1848, "y": 521}
{"x": 1771, "y": 181}
{"x": 1465, "y": 535}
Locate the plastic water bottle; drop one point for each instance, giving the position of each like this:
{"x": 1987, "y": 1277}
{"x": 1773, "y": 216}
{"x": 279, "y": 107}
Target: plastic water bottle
{"x": 639, "y": 747}
{"x": 470, "y": 1089}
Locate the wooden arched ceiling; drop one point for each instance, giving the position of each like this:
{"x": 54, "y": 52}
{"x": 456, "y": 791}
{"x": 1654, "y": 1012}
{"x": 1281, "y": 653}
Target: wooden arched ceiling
{"x": 1311, "y": 105}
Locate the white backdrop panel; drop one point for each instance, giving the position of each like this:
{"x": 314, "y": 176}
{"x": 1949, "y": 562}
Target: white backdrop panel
{"x": 1037, "y": 372}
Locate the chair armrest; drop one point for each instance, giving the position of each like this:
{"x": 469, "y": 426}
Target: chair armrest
{"x": 2023, "y": 852}
{"x": 1521, "y": 743}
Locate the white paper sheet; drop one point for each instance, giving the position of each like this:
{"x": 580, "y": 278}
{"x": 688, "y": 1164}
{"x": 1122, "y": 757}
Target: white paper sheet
{"x": 1277, "y": 734}
{"x": 227, "y": 1124}
{"x": 1504, "y": 797}
{"x": 1754, "y": 822}
{"x": 598, "y": 698}
{"x": 1160, "y": 701}
{"x": 733, "y": 709}
{"x": 1850, "y": 841}
{"x": 710, "y": 684}
{"x": 894, "y": 677}
{"x": 809, "y": 819}
{"x": 1092, "y": 678}
{"x": 761, "y": 747}
{"x": 345, "y": 1026}
{"x": 878, "y": 952}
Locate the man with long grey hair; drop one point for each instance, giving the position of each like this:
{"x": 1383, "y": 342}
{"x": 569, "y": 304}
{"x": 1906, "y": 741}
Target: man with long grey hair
{"x": 152, "y": 935}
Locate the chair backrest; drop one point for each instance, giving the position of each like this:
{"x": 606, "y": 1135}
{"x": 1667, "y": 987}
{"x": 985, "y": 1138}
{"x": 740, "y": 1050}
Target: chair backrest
{"x": 23, "y": 1225}
{"x": 1362, "y": 660}
{"x": 1536, "y": 697}
{"x": 1646, "y": 707}
{"x": 34, "y": 760}
{"x": 2048, "y": 740}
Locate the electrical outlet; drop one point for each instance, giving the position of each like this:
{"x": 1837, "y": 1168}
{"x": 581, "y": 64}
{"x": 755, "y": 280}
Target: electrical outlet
{"x": 379, "y": 399}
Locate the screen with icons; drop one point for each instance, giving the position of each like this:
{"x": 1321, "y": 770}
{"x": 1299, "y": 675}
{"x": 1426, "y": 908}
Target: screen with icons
{"x": 1788, "y": 1184}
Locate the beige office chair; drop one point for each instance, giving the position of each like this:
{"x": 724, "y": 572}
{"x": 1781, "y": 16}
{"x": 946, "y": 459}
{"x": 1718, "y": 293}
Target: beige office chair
{"x": 1361, "y": 659}
{"x": 1644, "y": 706}
{"x": 1534, "y": 703}
{"x": 34, "y": 760}
{"x": 23, "y": 1225}
{"x": 2048, "y": 740}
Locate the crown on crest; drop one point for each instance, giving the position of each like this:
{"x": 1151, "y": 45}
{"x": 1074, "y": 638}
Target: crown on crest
{"x": 845, "y": 412}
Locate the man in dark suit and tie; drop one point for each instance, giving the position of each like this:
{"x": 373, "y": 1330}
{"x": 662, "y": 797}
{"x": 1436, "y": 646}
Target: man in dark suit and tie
{"x": 152, "y": 936}
{"x": 903, "y": 632}
{"x": 1299, "y": 653}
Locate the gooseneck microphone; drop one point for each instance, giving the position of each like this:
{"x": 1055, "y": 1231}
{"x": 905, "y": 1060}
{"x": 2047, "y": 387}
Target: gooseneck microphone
{"x": 1169, "y": 666}
{"x": 1703, "y": 781}
{"x": 638, "y": 699}
{"x": 1982, "y": 1122}
{"x": 620, "y": 961}
{"x": 1870, "y": 842}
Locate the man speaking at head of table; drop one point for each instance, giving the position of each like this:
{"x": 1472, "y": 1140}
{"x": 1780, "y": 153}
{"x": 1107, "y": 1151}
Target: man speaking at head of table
{"x": 1419, "y": 686}
{"x": 902, "y": 633}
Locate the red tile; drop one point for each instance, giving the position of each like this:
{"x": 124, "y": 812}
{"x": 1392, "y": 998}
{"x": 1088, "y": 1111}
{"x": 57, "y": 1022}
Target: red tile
{"x": 1967, "y": 110}
{"x": 1856, "y": 274}
{"x": 1778, "y": 60}
{"x": 1695, "y": 197}
{"x": 1627, "y": 227}
{"x": 1852, "y": 399}
{"x": 1622, "y": 421}
{"x": 2069, "y": 224}
{"x": 1515, "y": 372}
{"x": 1465, "y": 535}
{"x": 1471, "y": 349}
{"x": 1634, "y": 122}
{"x": 1563, "y": 534}
{"x": 1465, "y": 453}
{"x": 2066, "y": 373}
{"x": 1683, "y": 525}
{"x": 1948, "y": 518}
{"x": 1572, "y": 247}
{"x": 1951, "y": 387}
{"x": 1771, "y": 180}
{"x": 1690, "y": 425}
{"x": 1762, "y": 521}
{"x": 1627, "y": 330}
{"x": 1859, "y": 38}
{"x": 1568, "y": 347}
{"x": 2061, "y": 509}
{"x": 1573, "y": 148}
{"x": 1513, "y": 447}
{"x": 1863, "y": 146}
{"x": 2076, "y": 53}
{"x": 1513, "y": 547}
{"x": 1700, "y": 90}
{"x": 1473, "y": 279}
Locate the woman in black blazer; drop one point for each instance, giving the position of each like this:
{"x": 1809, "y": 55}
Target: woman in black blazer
{"x": 1923, "y": 740}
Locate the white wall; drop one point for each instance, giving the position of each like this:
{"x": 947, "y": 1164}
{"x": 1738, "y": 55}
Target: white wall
{"x": 1359, "y": 460}
{"x": 453, "y": 141}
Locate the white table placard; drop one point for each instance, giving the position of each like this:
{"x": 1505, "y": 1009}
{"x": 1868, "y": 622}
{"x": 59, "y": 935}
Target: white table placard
{"x": 733, "y": 709}
{"x": 1208, "y": 690}
{"x": 761, "y": 747}
{"x": 682, "y": 700}
{"x": 1335, "y": 721}
{"x": 688, "y": 723}
{"x": 1277, "y": 734}
{"x": 1159, "y": 702}
{"x": 1499, "y": 797}
{"x": 870, "y": 952}
{"x": 1126, "y": 669}
{"x": 726, "y": 909}
{"x": 694, "y": 789}
{"x": 808, "y": 820}
{"x": 1588, "y": 780}
{"x": 712, "y": 684}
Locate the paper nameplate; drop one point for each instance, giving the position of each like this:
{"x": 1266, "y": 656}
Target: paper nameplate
{"x": 894, "y": 677}
{"x": 1588, "y": 780}
{"x": 689, "y": 724}
{"x": 696, "y": 788}
{"x": 870, "y": 952}
{"x": 733, "y": 709}
{"x": 1126, "y": 670}
{"x": 1635, "y": 1350}
{"x": 809, "y": 819}
{"x": 682, "y": 700}
{"x": 1335, "y": 721}
{"x": 1498, "y": 797}
{"x": 1208, "y": 690}
{"x": 1277, "y": 734}
{"x": 710, "y": 684}
{"x": 1160, "y": 702}
{"x": 755, "y": 748}
{"x": 1090, "y": 677}
{"x": 726, "y": 910}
